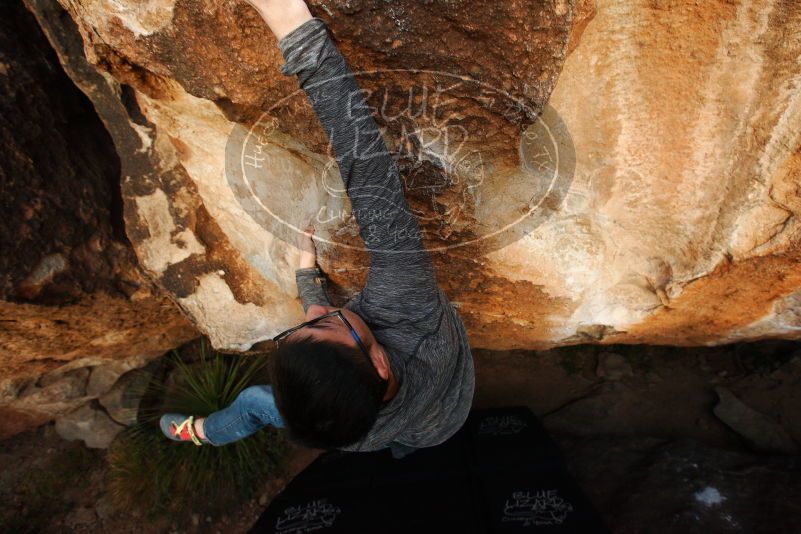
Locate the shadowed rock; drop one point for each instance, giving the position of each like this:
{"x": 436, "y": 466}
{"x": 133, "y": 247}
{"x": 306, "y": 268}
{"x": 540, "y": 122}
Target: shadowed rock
{"x": 759, "y": 430}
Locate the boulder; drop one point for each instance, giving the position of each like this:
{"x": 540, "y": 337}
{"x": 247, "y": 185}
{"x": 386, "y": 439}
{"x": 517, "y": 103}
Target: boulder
{"x": 615, "y": 172}
{"x": 55, "y": 387}
{"x": 71, "y": 291}
{"x": 90, "y": 425}
{"x": 121, "y": 402}
{"x": 116, "y": 384}
{"x": 103, "y": 377}
{"x": 760, "y": 431}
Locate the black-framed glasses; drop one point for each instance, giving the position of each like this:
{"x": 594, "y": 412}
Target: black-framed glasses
{"x": 338, "y": 313}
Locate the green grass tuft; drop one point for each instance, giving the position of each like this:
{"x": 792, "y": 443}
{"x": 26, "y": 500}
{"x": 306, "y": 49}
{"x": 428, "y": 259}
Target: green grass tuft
{"x": 159, "y": 476}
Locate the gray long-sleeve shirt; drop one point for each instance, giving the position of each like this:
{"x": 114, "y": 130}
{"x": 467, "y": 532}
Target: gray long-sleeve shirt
{"x": 401, "y": 302}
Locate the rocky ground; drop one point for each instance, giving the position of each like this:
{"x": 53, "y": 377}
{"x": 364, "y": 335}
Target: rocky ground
{"x": 48, "y": 484}
{"x": 642, "y": 429}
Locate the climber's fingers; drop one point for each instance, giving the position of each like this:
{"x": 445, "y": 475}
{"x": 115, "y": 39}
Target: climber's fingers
{"x": 307, "y": 226}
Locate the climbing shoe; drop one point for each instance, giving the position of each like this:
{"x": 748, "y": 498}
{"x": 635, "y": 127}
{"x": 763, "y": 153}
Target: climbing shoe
{"x": 179, "y": 427}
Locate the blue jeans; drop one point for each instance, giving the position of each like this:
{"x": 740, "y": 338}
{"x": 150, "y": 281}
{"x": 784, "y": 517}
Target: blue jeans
{"x": 253, "y": 409}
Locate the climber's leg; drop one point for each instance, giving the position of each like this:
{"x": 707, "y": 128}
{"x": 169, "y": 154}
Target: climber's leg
{"x": 251, "y": 411}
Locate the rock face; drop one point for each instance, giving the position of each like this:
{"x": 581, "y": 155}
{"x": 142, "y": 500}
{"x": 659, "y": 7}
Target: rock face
{"x": 619, "y": 172}
{"x": 71, "y": 292}
{"x": 759, "y": 430}
{"x": 650, "y": 485}
{"x": 94, "y": 427}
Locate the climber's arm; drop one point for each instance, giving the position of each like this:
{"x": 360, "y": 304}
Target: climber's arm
{"x": 308, "y": 277}
{"x": 389, "y": 230}
{"x": 365, "y": 164}
{"x": 311, "y": 287}
{"x": 282, "y": 16}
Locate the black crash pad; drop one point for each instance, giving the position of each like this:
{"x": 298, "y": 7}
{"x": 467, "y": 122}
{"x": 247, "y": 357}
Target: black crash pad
{"x": 499, "y": 473}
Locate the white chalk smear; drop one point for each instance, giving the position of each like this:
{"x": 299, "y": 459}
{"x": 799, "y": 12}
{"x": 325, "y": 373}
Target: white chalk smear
{"x": 709, "y": 496}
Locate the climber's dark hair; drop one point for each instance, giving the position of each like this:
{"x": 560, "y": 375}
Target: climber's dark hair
{"x": 328, "y": 394}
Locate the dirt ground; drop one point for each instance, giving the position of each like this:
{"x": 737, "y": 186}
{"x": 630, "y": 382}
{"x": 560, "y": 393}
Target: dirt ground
{"x": 48, "y": 484}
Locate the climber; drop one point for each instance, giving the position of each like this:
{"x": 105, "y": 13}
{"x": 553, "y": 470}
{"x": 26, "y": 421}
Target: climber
{"x": 390, "y": 369}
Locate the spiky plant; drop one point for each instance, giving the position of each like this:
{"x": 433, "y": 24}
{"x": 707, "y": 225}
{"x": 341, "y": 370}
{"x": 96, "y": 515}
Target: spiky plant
{"x": 157, "y": 475}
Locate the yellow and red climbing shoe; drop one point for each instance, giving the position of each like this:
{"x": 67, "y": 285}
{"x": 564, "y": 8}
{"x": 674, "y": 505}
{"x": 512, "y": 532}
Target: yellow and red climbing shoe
{"x": 179, "y": 427}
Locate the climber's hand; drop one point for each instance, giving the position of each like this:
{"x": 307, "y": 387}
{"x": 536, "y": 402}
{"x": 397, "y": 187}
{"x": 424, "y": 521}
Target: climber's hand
{"x": 308, "y": 252}
{"x": 282, "y": 16}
